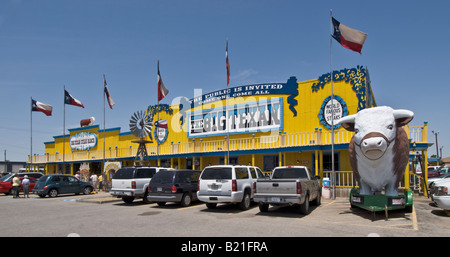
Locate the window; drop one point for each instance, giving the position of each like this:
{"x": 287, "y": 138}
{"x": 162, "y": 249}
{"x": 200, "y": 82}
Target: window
{"x": 326, "y": 162}
{"x": 260, "y": 173}
{"x": 145, "y": 173}
{"x": 125, "y": 173}
{"x": 253, "y": 172}
{"x": 216, "y": 173}
{"x": 233, "y": 161}
{"x": 56, "y": 179}
{"x": 187, "y": 176}
{"x": 43, "y": 179}
{"x": 241, "y": 173}
{"x": 290, "y": 173}
{"x": 162, "y": 177}
{"x": 270, "y": 162}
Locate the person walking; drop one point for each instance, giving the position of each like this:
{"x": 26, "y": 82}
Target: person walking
{"x": 26, "y": 186}
{"x": 94, "y": 179}
{"x": 16, "y": 186}
{"x": 100, "y": 182}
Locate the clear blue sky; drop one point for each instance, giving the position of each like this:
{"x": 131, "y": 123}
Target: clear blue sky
{"x": 47, "y": 44}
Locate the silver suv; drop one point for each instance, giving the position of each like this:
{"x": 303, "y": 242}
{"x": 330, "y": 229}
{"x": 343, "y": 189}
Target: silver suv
{"x": 228, "y": 184}
{"x": 132, "y": 182}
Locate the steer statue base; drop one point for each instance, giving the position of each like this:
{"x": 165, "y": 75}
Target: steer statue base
{"x": 379, "y": 153}
{"x": 377, "y": 203}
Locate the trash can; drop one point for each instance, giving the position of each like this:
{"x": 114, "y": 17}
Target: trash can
{"x": 326, "y": 192}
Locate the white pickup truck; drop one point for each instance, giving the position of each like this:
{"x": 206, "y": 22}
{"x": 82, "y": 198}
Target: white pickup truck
{"x": 131, "y": 182}
{"x": 289, "y": 185}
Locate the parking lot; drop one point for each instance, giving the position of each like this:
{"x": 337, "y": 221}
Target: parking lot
{"x": 101, "y": 215}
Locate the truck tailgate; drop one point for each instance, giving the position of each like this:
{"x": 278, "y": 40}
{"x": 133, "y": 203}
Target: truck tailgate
{"x": 121, "y": 184}
{"x": 276, "y": 187}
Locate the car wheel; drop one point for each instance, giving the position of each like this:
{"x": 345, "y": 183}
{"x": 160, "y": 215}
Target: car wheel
{"x": 128, "y": 199}
{"x": 304, "y": 208}
{"x": 87, "y": 190}
{"x": 211, "y": 205}
{"x": 145, "y": 199}
{"x": 186, "y": 199}
{"x": 318, "y": 200}
{"x": 263, "y": 207}
{"x": 245, "y": 204}
{"x": 53, "y": 193}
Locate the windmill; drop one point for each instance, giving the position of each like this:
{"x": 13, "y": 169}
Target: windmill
{"x": 140, "y": 126}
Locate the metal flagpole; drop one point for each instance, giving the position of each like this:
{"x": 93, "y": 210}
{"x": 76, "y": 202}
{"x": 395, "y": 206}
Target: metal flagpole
{"x": 333, "y": 173}
{"x": 157, "y": 117}
{"x": 31, "y": 135}
{"x": 228, "y": 121}
{"x": 64, "y": 131}
{"x": 104, "y": 121}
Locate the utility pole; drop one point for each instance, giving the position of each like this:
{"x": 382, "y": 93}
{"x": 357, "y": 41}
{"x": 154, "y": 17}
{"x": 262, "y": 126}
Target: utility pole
{"x": 437, "y": 146}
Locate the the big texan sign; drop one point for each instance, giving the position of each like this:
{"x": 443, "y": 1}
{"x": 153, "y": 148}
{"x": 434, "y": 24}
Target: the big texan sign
{"x": 257, "y": 116}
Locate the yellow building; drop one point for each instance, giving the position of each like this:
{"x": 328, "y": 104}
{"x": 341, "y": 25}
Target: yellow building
{"x": 270, "y": 124}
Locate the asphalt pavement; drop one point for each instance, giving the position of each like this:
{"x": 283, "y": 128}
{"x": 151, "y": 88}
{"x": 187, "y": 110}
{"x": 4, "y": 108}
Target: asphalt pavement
{"x": 101, "y": 215}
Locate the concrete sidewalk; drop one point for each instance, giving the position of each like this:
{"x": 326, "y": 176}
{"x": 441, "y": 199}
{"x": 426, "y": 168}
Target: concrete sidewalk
{"x": 99, "y": 197}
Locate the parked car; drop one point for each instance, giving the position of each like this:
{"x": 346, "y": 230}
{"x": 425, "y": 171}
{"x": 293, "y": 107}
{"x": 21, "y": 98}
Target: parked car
{"x": 174, "y": 186}
{"x": 228, "y": 184}
{"x": 433, "y": 171}
{"x": 431, "y": 181}
{"x": 444, "y": 170}
{"x": 132, "y": 182}
{"x": 54, "y": 185}
{"x": 7, "y": 188}
{"x": 289, "y": 185}
{"x": 10, "y": 176}
{"x": 441, "y": 194}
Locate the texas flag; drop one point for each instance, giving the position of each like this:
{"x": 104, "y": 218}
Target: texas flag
{"x": 162, "y": 90}
{"x": 161, "y": 124}
{"x": 41, "y": 107}
{"x": 108, "y": 95}
{"x": 349, "y": 38}
{"x": 68, "y": 99}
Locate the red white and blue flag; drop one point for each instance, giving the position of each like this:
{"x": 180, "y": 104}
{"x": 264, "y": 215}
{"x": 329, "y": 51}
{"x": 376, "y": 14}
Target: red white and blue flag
{"x": 41, "y": 107}
{"x": 161, "y": 124}
{"x": 108, "y": 95}
{"x": 349, "y": 38}
{"x": 162, "y": 90}
{"x": 228, "y": 64}
{"x": 68, "y": 99}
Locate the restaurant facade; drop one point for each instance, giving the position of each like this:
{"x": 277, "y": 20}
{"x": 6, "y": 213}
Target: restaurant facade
{"x": 266, "y": 125}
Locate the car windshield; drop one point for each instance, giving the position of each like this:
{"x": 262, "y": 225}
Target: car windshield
{"x": 162, "y": 177}
{"x": 216, "y": 173}
{"x": 290, "y": 173}
{"x": 4, "y": 178}
{"x": 446, "y": 175}
{"x": 124, "y": 173}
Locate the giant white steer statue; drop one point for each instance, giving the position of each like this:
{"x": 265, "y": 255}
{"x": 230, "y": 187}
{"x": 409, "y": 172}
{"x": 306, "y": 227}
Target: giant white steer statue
{"x": 379, "y": 150}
